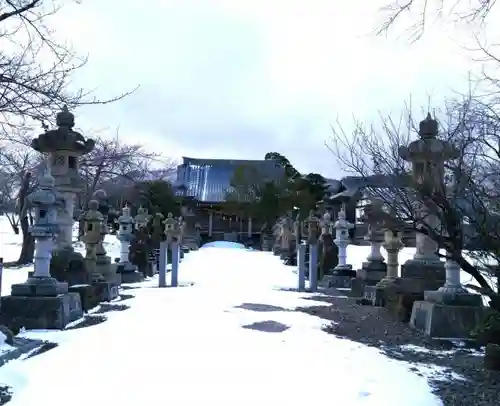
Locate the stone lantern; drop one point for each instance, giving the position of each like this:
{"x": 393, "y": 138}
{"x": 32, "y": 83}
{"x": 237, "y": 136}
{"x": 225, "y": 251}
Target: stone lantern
{"x": 277, "y": 236}
{"x": 44, "y": 231}
{"x": 142, "y": 218}
{"x": 125, "y": 234}
{"x": 197, "y": 230}
{"x": 170, "y": 228}
{"x": 92, "y": 220}
{"x": 41, "y": 302}
{"x": 342, "y": 227}
{"x": 64, "y": 147}
{"x": 157, "y": 236}
{"x": 103, "y": 261}
{"x": 297, "y": 227}
{"x": 328, "y": 255}
{"x": 285, "y": 239}
{"x": 311, "y": 228}
{"x": 158, "y": 231}
{"x": 182, "y": 228}
{"x": 125, "y": 268}
{"x": 374, "y": 269}
{"x": 427, "y": 156}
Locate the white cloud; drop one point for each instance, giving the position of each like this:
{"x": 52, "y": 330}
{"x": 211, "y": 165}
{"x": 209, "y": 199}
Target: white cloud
{"x": 226, "y": 78}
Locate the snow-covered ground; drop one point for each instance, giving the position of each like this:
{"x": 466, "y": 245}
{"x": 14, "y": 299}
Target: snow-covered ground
{"x": 228, "y": 335}
{"x": 188, "y": 346}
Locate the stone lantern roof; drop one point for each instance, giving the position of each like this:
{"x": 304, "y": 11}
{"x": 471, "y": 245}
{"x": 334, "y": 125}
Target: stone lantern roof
{"x": 64, "y": 138}
{"x": 428, "y": 127}
{"x": 428, "y": 148}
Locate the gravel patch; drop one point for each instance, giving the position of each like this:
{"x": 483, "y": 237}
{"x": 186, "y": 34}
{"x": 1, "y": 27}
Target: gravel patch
{"x": 454, "y": 371}
{"x": 5, "y": 394}
{"x": 87, "y": 321}
{"x": 110, "y": 307}
{"x": 123, "y": 297}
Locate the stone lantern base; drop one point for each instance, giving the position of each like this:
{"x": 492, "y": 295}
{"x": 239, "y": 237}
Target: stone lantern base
{"x": 103, "y": 266}
{"x": 128, "y": 273}
{"x": 371, "y": 273}
{"x": 66, "y": 265}
{"x": 40, "y": 303}
{"x": 399, "y": 294}
{"x": 341, "y": 278}
{"x": 447, "y": 314}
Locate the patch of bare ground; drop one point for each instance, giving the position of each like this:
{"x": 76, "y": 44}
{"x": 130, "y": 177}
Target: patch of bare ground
{"x": 459, "y": 378}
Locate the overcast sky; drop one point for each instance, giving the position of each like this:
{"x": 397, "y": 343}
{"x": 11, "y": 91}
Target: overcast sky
{"x": 239, "y": 78}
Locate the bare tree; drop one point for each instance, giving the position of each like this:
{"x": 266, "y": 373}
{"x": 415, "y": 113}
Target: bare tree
{"x": 16, "y": 161}
{"x": 423, "y": 12}
{"x": 19, "y": 170}
{"x": 465, "y": 203}
{"x": 35, "y": 69}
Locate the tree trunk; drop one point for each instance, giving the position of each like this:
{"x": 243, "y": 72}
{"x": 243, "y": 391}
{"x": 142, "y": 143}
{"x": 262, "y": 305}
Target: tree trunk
{"x": 28, "y": 248}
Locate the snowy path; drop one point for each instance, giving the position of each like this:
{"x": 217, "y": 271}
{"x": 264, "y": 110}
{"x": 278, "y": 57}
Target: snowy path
{"x": 187, "y": 346}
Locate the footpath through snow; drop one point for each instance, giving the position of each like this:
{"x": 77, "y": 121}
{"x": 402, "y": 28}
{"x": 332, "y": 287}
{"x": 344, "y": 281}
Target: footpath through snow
{"x": 232, "y": 338}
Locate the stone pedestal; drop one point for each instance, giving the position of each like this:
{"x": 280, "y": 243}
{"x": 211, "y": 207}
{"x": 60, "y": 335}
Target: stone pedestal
{"x": 89, "y": 296}
{"x": 40, "y": 312}
{"x": 449, "y": 312}
{"x": 106, "y": 291}
{"x": 34, "y": 286}
{"x": 441, "y": 320}
{"x": 371, "y": 273}
{"x": 40, "y": 303}
{"x": 128, "y": 273}
{"x": 104, "y": 267}
{"x": 416, "y": 278}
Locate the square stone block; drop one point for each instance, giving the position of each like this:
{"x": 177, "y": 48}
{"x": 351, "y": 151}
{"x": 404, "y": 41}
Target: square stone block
{"x": 453, "y": 299}
{"x": 40, "y": 312}
{"x": 336, "y": 281}
{"x": 400, "y": 304}
{"x": 372, "y": 276}
{"x": 89, "y": 296}
{"x": 427, "y": 271}
{"x": 39, "y": 287}
{"x": 106, "y": 291}
{"x": 124, "y": 267}
{"x": 357, "y": 287}
{"x": 374, "y": 295}
{"x": 438, "y": 320}
{"x": 132, "y": 277}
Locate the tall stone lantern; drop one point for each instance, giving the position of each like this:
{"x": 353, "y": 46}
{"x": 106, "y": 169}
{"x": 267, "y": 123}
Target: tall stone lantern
{"x": 427, "y": 156}
{"x": 64, "y": 146}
